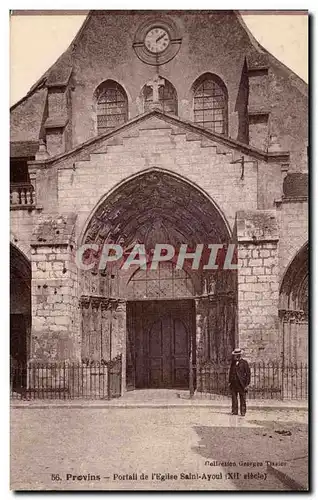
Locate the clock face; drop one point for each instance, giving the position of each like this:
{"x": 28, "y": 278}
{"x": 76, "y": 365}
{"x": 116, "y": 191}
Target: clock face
{"x": 157, "y": 40}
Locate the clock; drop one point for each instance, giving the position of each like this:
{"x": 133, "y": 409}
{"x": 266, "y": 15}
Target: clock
{"x": 157, "y": 40}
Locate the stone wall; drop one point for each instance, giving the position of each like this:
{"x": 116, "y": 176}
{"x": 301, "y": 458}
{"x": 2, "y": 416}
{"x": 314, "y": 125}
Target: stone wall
{"x": 258, "y": 285}
{"x": 214, "y": 42}
{"x": 293, "y": 212}
{"x": 55, "y": 311}
{"x": 212, "y": 167}
{"x": 243, "y": 184}
{"x": 21, "y": 227}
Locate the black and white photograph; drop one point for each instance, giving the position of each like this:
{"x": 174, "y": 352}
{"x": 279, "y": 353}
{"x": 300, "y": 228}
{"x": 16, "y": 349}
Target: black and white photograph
{"x": 159, "y": 251}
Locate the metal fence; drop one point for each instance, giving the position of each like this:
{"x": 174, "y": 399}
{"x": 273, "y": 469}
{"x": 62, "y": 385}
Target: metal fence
{"x": 268, "y": 381}
{"x": 103, "y": 380}
{"x": 88, "y": 380}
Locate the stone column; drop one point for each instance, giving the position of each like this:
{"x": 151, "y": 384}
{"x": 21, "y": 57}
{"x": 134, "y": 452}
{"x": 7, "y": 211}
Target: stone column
{"x": 200, "y": 341}
{"x": 201, "y": 324}
{"x": 119, "y": 336}
{"x": 105, "y": 319}
{"x": 258, "y": 285}
{"x": 95, "y": 338}
{"x": 56, "y": 333}
{"x": 32, "y": 174}
{"x": 86, "y": 317}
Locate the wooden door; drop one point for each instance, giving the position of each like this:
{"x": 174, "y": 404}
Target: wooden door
{"x": 168, "y": 350}
{"x": 180, "y": 353}
{"x": 158, "y": 354}
{"x": 158, "y": 343}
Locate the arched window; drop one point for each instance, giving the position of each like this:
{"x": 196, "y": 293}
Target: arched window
{"x": 210, "y": 103}
{"x": 168, "y": 99}
{"x": 112, "y": 106}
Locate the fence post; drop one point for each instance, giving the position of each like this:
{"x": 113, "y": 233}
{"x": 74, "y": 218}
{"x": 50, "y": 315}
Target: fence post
{"x": 108, "y": 380}
{"x": 191, "y": 381}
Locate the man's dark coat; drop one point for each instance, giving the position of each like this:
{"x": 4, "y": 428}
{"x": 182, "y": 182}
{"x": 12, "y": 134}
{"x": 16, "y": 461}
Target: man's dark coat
{"x": 240, "y": 373}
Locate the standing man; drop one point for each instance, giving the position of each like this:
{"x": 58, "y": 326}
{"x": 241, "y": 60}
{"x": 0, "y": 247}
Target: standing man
{"x": 239, "y": 379}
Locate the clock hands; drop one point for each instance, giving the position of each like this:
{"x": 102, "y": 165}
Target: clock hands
{"x": 161, "y": 36}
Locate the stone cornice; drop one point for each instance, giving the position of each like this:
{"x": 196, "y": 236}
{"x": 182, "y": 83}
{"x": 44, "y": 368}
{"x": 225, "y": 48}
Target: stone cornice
{"x": 258, "y": 241}
{"x": 294, "y": 199}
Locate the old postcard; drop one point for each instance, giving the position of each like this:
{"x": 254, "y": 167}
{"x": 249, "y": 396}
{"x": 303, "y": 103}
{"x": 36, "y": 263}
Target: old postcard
{"x": 159, "y": 250}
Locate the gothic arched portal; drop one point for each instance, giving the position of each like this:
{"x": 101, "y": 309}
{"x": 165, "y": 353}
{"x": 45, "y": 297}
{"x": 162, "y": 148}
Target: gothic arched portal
{"x": 196, "y": 305}
{"x": 293, "y": 308}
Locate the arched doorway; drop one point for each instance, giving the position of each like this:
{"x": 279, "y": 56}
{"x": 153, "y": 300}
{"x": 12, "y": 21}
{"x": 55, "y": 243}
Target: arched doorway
{"x": 172, "y": 316}
{"x": 293, "y": 309}
{"x": 20, "y": 315}
{"x": 20, "y": 304}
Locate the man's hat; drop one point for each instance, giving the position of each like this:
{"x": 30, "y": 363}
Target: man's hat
{"x": 237, "y": 350}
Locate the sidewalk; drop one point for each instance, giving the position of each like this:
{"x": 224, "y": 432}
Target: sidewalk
{"x": 160, "y": 398}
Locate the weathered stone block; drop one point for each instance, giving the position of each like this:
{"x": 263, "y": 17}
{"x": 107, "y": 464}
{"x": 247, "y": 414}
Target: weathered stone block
{"x": 258, "y": 270}
{"x": 255, "y": 262}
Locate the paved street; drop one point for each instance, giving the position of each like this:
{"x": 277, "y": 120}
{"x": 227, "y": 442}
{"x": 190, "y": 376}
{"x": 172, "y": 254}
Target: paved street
{"x": 177, "y": 448}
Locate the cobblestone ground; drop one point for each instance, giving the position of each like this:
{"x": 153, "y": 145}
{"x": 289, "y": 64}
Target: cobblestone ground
{"x": 119, "y": 445}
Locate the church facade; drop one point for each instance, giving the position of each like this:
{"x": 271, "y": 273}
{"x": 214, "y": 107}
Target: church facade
{"x": 171, "y": 128}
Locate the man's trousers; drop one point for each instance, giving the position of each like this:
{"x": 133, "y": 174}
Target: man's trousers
{"x": 235, "y": 390}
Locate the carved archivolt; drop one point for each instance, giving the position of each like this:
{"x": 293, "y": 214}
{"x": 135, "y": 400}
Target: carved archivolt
{"x": 157, "y": 201}
{"x": 150, "y": 209}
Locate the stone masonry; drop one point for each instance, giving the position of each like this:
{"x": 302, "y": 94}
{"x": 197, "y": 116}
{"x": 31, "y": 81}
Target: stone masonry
{"x": 253, "y": 177}
{"x": 258, "y": 285}
{"x": 55, "y": 329}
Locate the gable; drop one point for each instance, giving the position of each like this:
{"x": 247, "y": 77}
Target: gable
{"x": 262, "y": 95}
{"x": 156, "y": 120}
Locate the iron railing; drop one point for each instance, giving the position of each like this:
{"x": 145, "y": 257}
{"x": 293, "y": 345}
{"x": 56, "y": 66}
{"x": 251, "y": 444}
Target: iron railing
{"x": 87, "y": 380}
{"x": 103, "y": 380}
{"x": 269, "y": 380}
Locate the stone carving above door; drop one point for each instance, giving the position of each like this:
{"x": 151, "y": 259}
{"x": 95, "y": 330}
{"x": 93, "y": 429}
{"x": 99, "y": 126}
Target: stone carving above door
{"x": 157, "y": 200}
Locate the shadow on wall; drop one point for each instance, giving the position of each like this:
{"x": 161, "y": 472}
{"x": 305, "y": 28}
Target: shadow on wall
{"x": 241, "y": 106}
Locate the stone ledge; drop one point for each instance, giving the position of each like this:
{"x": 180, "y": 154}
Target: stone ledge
{"x": 56, "y": 122}
{"x": 54, "y": 230}
{"x": 254, "y": 226}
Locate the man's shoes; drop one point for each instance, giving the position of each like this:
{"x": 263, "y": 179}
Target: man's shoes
{"x": 234, "y": 413}
{"x": 242, "y": 414}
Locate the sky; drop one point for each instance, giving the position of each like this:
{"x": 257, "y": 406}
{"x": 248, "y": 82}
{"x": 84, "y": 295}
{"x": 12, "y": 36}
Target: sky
{"x": 36, "y": 41}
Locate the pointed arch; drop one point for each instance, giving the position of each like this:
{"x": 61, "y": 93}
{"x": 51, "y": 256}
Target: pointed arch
{"x": 20, "y": 245}
{"x": 294, "y": 287}
{"x": 210, "y": 103}
{"x": 111, "y": 106}
{"x": 147, "y": 209}
{"x": 133, "y": 185}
